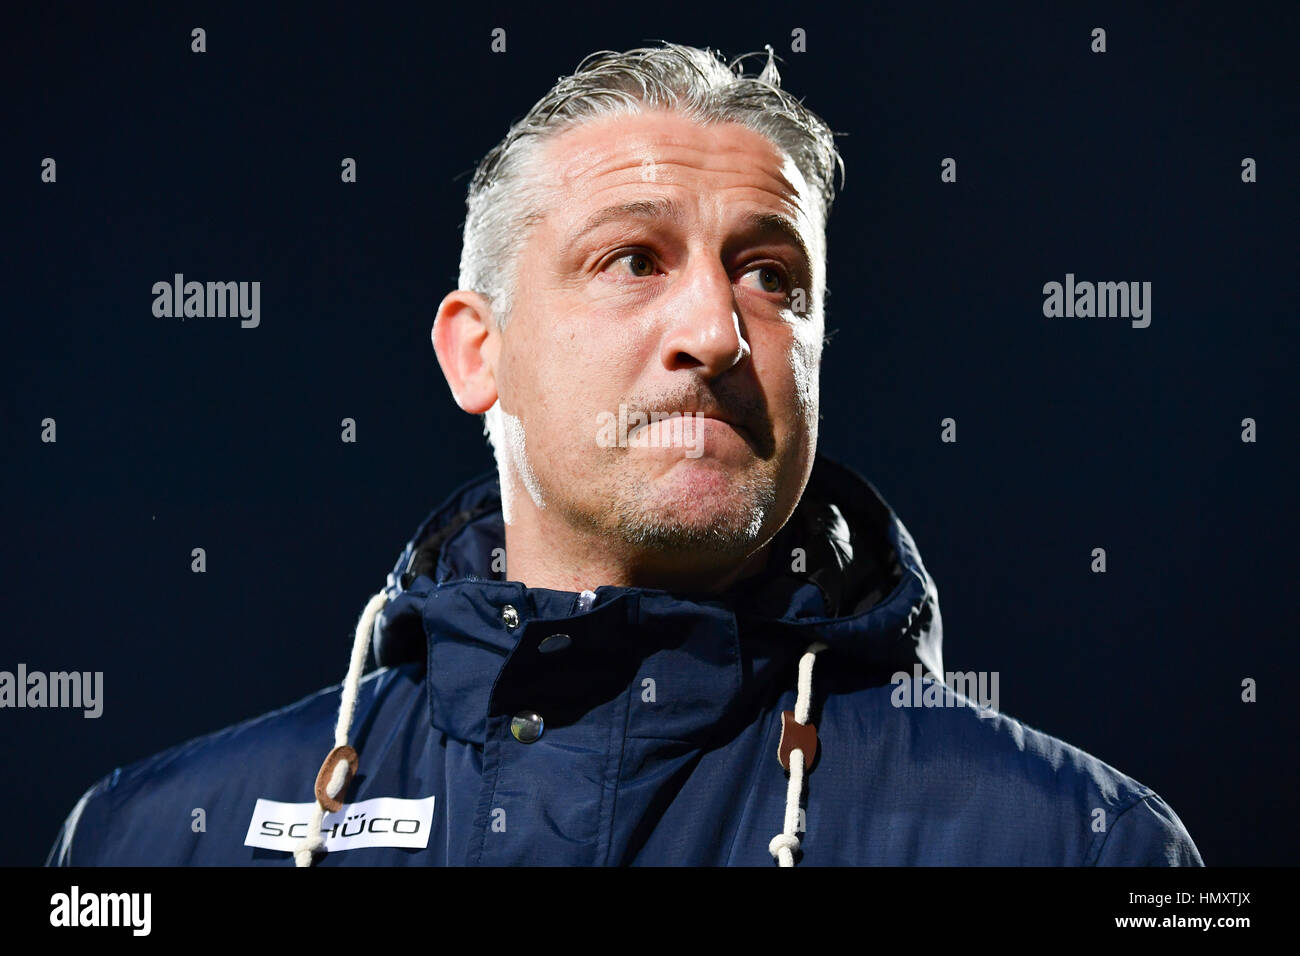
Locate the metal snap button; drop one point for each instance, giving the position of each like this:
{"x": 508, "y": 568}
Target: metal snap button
{"x": 556, "y": 642}
{"x": 526, "y": 726}
{"x": 510, "y": 616}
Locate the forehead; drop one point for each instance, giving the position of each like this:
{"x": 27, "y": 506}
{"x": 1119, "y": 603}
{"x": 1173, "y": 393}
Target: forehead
{"x": 719, "y": 165}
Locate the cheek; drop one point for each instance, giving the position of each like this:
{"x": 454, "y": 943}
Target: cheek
{"x": 558, "y": 384}
{"x": 805, "y": 363}
{"x": 516, "y": 386}
{"x": 594, "y": 362}
{"x": 801, "y": 357}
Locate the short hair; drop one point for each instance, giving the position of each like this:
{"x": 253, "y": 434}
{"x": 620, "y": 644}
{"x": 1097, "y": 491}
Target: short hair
{"x": 503, "y": 202}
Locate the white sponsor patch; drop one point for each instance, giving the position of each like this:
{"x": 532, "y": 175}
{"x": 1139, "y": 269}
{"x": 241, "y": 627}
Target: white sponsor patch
{"x": 383, "y": 821}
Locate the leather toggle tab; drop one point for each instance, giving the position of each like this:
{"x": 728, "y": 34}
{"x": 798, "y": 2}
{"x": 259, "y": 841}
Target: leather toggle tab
{"x": 343, "y": 754}
{"x": 795, "y": 734}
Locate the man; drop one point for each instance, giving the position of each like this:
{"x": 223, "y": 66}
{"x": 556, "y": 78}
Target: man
{"x": 665, "y": 631}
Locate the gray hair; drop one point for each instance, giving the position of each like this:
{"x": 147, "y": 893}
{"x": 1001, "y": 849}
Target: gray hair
{"x": 504, "y": 200}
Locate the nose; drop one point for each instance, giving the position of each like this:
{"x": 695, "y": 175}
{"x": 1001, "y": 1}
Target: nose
{"x": 704, "y": 330}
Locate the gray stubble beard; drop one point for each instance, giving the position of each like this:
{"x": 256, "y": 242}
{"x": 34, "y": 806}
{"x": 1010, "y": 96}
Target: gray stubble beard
{"x": 646, "y": 526}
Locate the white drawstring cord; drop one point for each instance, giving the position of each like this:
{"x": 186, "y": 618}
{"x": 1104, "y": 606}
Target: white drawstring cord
{"x": 313, "y": 842}
{"x": 786, "y": 842}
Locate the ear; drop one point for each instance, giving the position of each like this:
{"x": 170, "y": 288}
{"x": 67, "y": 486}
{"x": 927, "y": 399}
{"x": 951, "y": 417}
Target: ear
{"x": 467, "y": 342}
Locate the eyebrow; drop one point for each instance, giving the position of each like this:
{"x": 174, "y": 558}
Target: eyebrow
{"x": 638, "y": 209}
{"x": 755, "y": 225}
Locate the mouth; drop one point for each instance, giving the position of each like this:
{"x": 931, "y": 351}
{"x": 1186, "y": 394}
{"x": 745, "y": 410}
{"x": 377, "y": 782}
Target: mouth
{"x": 735, "y": 426}
{"x": 689, "y": 415}
{"x": 743, "y": 419}
{"x": 687, "y": 430}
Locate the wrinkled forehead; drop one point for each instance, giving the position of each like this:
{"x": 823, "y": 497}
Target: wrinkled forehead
{"x": 727, "y": 163}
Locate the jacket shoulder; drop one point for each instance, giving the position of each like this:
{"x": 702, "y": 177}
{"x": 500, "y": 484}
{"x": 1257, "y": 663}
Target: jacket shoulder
{"x": 1128, "y": 822}
{"x": 144, "y": 813}
{"x": 1054, "y": 801}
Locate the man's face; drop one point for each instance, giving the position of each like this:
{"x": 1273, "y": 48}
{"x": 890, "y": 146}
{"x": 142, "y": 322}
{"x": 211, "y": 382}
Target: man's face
{"x": 677, "y": 268}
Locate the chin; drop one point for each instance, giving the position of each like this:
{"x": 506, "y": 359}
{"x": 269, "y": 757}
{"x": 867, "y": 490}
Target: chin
{"x": 699, "y": 507}
{"x": 719, "y": 534}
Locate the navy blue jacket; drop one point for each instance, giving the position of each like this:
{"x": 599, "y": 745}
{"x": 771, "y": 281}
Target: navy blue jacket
{"x": 656, "y": 720}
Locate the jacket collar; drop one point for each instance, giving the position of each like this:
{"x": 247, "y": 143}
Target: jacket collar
{"x": 844, "y": 570}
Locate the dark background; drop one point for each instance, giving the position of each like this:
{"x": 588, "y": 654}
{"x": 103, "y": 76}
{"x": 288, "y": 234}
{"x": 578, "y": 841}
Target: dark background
{"x": 1072, "y": 433}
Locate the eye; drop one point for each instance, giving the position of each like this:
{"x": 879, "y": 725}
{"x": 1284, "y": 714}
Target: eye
{"x": 638, "y": 263}
{"x": 770, "y": 278}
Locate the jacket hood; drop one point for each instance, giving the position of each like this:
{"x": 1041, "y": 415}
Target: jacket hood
{"x": 844, "y": 570}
